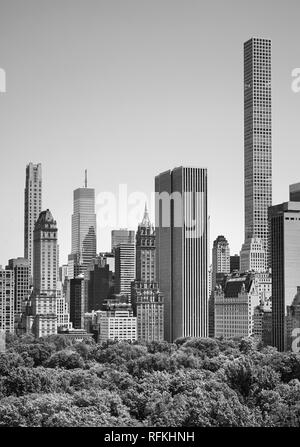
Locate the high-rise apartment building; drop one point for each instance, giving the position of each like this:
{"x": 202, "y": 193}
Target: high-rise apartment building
{"x": 182, "y": 251}
{"x": 45, "y": 265}
{"x": 285, "y": 263}
{"x": 220, "y": 267}
{"x": 84, "y": 230}
{"x": 33, "y": 207}
{"x": 122, "y": 236}
{"x": 257, "y": 146}
{"x": 7, "y": 291}
{"x": 42, "y": 311}
{"x": 20, "y": 267}
{"x": 125, "y": 268}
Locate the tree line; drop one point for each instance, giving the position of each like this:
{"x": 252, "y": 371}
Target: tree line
{"x": 53, "y": 382}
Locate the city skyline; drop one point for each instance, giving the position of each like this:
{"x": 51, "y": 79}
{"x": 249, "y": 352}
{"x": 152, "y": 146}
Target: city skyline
{"x": 189, "y": 107}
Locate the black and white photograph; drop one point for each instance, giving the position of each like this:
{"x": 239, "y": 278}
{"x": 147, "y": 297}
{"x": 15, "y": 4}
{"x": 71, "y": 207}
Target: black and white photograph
{"x": 150, "y": 218}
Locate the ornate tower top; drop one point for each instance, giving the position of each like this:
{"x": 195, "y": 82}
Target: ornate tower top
{"x": 45, "y": 220}
{"x": 146, "y": 220}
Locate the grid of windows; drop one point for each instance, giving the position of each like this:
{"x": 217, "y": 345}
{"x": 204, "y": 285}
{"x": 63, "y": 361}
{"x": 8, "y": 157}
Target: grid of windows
{"x": 258, "y": 138}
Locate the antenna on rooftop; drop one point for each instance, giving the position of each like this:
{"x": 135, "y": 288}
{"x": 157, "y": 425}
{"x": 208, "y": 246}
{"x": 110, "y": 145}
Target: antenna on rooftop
{"x": 85, "y": 180}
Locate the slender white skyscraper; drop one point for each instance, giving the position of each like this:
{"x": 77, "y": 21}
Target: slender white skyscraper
{"x": 258, "y": 152}
{"x": 32, "y": 209}
{"x": 84, "y": 242}
{"x": 182, "y": 251}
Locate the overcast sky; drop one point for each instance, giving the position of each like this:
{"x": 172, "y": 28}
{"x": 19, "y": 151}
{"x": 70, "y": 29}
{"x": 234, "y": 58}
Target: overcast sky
{"x": 130, "y": 88}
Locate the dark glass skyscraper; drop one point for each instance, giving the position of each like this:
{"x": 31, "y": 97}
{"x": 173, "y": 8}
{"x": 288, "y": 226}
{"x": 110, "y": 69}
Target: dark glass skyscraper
{"x": 182, "y": 251}
{"x": 258, "y": 152}
{"x": 285, "y": 263}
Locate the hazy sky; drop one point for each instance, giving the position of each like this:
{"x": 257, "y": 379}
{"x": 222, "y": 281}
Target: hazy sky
{"x": 130, "y": 88}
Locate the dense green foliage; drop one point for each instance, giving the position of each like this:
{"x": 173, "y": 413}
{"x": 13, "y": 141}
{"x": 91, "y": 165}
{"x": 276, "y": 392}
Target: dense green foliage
{"x": 193, "y": 382}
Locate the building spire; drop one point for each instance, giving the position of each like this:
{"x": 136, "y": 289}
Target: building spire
{"x": 146, "y": 220}
{"x": 85, "y": 179}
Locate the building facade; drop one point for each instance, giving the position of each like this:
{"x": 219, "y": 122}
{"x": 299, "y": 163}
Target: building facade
{"x": 220, "y": 267}
{"x": 122, "y": 236}
{"x": 125, "y": 268}
{"x": 285, "y": 262}
{"x": 20, "y": 267}
{"x": 84, "y": 230}
{"x": 182, "y": 251}
{"x": 77, "y": 302}
{"x": 257, "y": 144}
{"x": 293, "y": 320}
{"x": 41, "y": 313}
{"x": 32, "y": 208}
{"x": 147, "y": 300}
{"x": 235, "y": 304}
{"x": 254, "y": 256}
{"x": 7, "y": 300}
{"x": 262, "y": 322}
{"x": 234, "y": 263}
{"x": 99, "y": 283}
{"x": 116, "y": 321}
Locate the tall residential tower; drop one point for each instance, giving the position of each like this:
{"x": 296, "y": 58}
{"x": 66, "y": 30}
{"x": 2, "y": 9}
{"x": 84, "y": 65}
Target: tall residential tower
{"x": 257, "y": 152}
{"x": 32, "y": 209}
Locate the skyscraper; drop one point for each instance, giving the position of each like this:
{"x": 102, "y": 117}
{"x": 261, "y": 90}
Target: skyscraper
{"x": 46, "y": 270}
{"x": 182, "y": 251}
{"x": 84, "y": 241}
{"x": 220, "y": 258}
{"x": 146, "y": 298}
{"x": 220, "y": 268}
{"x": 33, "y": 207}
{"x": 122, "y": 236}
{"x": 145, "y": 250}
{"x": 257, "y": 146}
{"x": 125, "y": 268}
{"x": 99, "y": 283}
{"x": 285, "y": 262}
{"x": 45, "y": 277}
